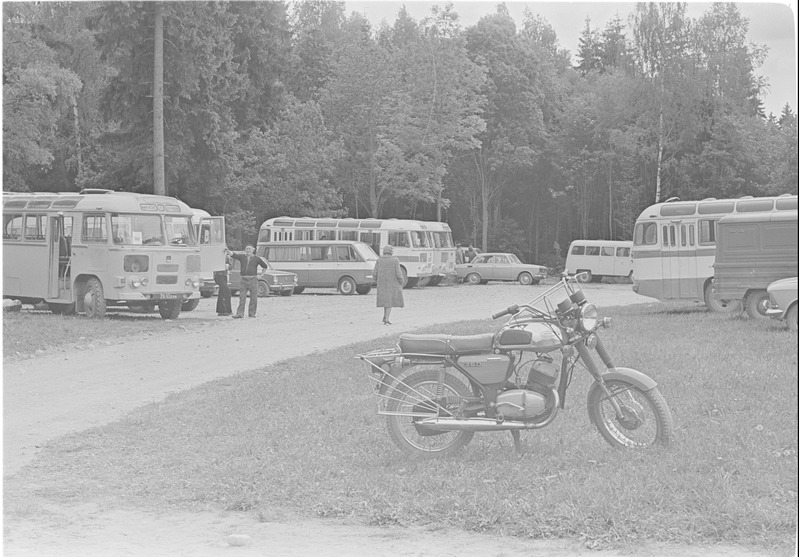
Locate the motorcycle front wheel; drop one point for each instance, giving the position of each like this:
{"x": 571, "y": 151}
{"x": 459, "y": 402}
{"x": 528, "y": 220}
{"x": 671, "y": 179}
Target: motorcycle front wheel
{"x": 421, "y": 395}
{"x": 645, "y": 419}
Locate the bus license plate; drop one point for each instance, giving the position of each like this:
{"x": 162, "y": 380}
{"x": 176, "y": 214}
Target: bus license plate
{"x": 169, "y": 296}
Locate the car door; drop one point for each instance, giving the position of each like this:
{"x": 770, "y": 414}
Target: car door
{"x": 503, "y": 270}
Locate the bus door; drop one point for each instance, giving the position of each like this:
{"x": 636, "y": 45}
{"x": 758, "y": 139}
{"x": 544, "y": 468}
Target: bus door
{"x": 670, "y": 261}
{"x": 623, "y": 263}
{"x": 212, "y": 245}
{"x": 687, "y": 260}
{"x": 371, "y": 238}
{"x": 607, "y": 260}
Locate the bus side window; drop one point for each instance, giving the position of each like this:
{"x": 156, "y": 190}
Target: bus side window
{"x": 707, "y": 232}
{"x": 578, "y": 250}
{"x": 607, "y": 251}
{"x": 691, "y": 234}
{"x": 592, "y": 250}
{"x": 622, "y": 252}
{"x": 665, "y": 236}
{"x": 672, "y": 238}
{"x": 398, "y": 239}
{"x": 683, "y": 239}
{"x": 12, "y": 227}
{"x": 94, "y": 229}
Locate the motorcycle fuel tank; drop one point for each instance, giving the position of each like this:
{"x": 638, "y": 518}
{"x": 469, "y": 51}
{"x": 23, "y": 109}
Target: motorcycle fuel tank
{"x": 486, "y": 368}
{"x": 538, "y": 337}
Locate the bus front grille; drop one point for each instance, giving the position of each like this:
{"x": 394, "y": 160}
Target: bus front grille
{"x": 193, "y": 264}
{"x": 166, "y": 279}
{"x": 166, "y": 268}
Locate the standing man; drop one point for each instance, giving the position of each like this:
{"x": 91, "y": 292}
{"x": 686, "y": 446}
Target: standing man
{"x": 249, "y": 279}
{"x": 223, "y": 306}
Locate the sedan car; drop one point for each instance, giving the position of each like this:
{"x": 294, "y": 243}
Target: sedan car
{"x": 499, "y": 266}
{"x": 782, "y": 304}
{"x": 270, "y": 281}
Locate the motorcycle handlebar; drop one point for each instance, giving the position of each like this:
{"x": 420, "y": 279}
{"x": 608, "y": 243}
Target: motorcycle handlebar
{"x": 511, "y": 310}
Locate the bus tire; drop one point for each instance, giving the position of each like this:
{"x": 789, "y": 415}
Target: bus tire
{"x": 584, "y": 276}
{"x": 791, "y": 319}
{"x": 94, "y": 299}
{"x": 169, "y": 309}
{"x": 346, "y": 286}
{"x": 526, "y": 279}
{"x": 363, "y": 289}
{"x": 756, "y": 304}
{"x": 719, "y": 306}
{"x": 190, "y": 305}
{"x": 596, "y": 278}
{"x": 473, "y": 278}
{"x": 62, "y": 309}
{"x": 405, "y": 277}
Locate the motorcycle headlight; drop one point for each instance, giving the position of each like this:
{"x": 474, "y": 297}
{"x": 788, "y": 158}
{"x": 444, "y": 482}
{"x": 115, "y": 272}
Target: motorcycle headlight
{"x": 589, "y": 317}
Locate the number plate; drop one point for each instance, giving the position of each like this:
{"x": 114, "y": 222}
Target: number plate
{"x": 168, "y": 296}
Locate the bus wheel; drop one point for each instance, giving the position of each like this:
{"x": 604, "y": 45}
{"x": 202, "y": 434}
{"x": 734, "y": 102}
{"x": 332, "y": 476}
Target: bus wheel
{"x": 94, "y": 299}
{"x": 584, "y": 276}
{"x": 719, "y": 306}
{"x": 596, "y": 278}
{"x": 190, "y": 305}
{"x": 756, "y": 304}
{"x": 363, "y": 289}
{"x": 405, "y": 278}
{"x": 526, "y": 279}
{"x": 62, "y": 309}
{"x": 346, "y": 286}
{"x": 169, "y": 309}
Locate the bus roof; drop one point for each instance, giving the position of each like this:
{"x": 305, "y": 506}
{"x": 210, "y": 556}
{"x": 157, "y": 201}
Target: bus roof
{"x": 311, "y": 243}
{"x": 603, "y": 242}
{"x": 329, "y": 222}
{"x": 93, "y": 200}
{"x": 766, "y": 216}
{"x": 713, "y": 206}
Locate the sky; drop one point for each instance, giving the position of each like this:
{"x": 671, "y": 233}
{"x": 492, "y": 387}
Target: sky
{"x": 772, "y": 24}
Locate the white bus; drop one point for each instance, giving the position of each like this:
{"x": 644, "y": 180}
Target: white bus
{"x": 591, "y": 260}
{"x": 209, "y": 232}
{"x": 443, "y": 252}
{"x": 82, "y": 252}
{"x": 674, "y": 246}
{"x": 411, "y": 239}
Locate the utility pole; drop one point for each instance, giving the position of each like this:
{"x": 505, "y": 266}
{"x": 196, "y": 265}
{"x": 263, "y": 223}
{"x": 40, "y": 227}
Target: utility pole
{"x": 159, "y": 181}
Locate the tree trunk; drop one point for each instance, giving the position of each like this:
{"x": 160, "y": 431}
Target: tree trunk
{"x": 159, "y": 182}
{"x": 660, "y": 142}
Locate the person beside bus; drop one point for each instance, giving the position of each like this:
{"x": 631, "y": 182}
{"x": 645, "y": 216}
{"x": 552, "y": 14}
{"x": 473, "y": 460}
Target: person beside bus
{"x": 388, "y": 276}
{"x": 249, "y": 279}
{"x": 223, "y": 303}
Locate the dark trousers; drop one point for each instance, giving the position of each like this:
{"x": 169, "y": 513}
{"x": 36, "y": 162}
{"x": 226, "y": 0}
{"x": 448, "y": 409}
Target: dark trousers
{"x": 248, "y": 284}
{"x": 223, "y": 305}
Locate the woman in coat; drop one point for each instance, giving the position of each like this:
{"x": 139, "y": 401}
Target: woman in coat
{"x": 389, "y": 283}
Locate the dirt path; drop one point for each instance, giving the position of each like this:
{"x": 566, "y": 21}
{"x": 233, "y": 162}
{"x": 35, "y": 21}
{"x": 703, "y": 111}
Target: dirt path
{"x": 67, "y": 391}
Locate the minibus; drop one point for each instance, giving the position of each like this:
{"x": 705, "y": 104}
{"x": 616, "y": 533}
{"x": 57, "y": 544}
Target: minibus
{"x": 594, "y": 259}
{"x": 344, "y": 265}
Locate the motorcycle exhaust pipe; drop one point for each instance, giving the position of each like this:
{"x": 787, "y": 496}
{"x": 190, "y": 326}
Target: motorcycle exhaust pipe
{"x": 483, "y": 424}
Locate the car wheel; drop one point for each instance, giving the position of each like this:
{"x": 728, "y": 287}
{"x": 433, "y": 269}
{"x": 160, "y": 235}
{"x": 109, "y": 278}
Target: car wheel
{"x": 791, "y": 316}
{"x": 263, "y": 289}
{"x": 473, "y": 278}
{"x": 526, "y": 279}
{"x": 346, "y": 286}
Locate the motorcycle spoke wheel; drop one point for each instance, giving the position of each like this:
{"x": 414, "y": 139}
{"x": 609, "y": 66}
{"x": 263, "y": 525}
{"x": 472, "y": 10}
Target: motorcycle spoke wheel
{"x": 645, "y": 419}
{"x": 420, "y": 395}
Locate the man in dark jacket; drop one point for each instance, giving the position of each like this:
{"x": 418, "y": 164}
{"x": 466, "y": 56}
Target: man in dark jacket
{"x": 249, "y": 279}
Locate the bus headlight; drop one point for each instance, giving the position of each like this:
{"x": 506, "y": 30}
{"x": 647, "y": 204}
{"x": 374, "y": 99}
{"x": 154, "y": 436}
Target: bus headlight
{"x": 193, "y": 282}
{"x": 136, "y": 282}
{"x": 589, "y": 317}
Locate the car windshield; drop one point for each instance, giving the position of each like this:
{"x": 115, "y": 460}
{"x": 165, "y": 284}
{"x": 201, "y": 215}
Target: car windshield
{"x": 366, "y": 252}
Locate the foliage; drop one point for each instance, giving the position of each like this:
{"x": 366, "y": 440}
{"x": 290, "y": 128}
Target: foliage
{"x": 300, "y": 108}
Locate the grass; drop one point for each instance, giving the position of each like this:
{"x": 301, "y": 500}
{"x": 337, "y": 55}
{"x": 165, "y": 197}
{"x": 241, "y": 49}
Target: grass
{"x": 302, "y": 436}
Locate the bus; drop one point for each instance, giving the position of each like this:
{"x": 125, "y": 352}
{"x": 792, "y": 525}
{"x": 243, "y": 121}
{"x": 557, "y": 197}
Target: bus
{"x": 413, "y": 243}
{"x": 443, "y": 254}
{"x": 208, "y": 231}
{"x": 592, "y": 260}
{"x": 82, "y": 252}
{"x": 674, "y": 246}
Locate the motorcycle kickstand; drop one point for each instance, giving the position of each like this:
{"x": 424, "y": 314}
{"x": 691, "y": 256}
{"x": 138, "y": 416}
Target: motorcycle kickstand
{"x": 517, "y": 441}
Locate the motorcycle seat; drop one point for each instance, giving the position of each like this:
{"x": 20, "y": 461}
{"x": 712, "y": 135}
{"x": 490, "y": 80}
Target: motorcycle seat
{"x": 446, "y": 345}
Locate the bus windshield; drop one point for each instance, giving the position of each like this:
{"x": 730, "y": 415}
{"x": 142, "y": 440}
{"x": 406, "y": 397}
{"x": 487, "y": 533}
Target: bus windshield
{"x": 152, "y": 230}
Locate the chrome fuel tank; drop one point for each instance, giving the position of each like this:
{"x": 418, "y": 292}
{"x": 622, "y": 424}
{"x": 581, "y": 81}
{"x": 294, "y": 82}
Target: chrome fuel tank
{"x": 538, "y": 337}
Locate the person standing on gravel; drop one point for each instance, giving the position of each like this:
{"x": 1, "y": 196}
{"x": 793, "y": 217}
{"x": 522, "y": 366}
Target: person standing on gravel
{"x": 249, "y": 279}
{"x": 388, "y": 276}
{"x": 223, "y": 306}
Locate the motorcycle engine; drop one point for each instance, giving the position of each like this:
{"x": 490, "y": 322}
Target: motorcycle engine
{"x": 521, "y": 404}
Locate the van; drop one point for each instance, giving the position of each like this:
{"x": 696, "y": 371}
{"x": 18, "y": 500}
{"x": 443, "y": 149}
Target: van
{"x": 345, "y": 265}
{"x": 752, "y": 251}
{"x": 595, "y": 259}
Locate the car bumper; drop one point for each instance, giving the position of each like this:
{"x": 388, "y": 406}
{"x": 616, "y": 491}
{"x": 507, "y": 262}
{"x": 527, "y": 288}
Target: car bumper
{"x": 281, "y": 287}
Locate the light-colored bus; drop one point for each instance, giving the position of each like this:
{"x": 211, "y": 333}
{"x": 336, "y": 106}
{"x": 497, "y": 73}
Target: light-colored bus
{"x": 674, "y": 246}
{"x": 444, "y": 252}
{"x": 82, "y": 252}
{"x": 592, "y": 260}
{"x": 411, "y": 240}
{"x": 209, "y": 232}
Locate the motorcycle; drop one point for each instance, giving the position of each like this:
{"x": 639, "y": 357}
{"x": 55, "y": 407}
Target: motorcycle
{"x": 437, "y": 390}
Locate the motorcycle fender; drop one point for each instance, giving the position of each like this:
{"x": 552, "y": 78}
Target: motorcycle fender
{"x": 637, "y": 378}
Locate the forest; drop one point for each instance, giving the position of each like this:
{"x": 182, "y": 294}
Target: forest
{"x": 298, "y": 108}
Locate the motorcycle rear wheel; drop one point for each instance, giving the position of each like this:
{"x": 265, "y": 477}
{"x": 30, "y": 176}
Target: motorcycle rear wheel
{"x": 414, "y": 395}
{"x": 646, "y": 421}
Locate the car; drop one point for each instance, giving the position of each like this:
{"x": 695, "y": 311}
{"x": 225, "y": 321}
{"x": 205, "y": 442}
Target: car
{"x": 270, "y": 281}
{"x": 782, "y": 304}
{"x": 499, "y": 266}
